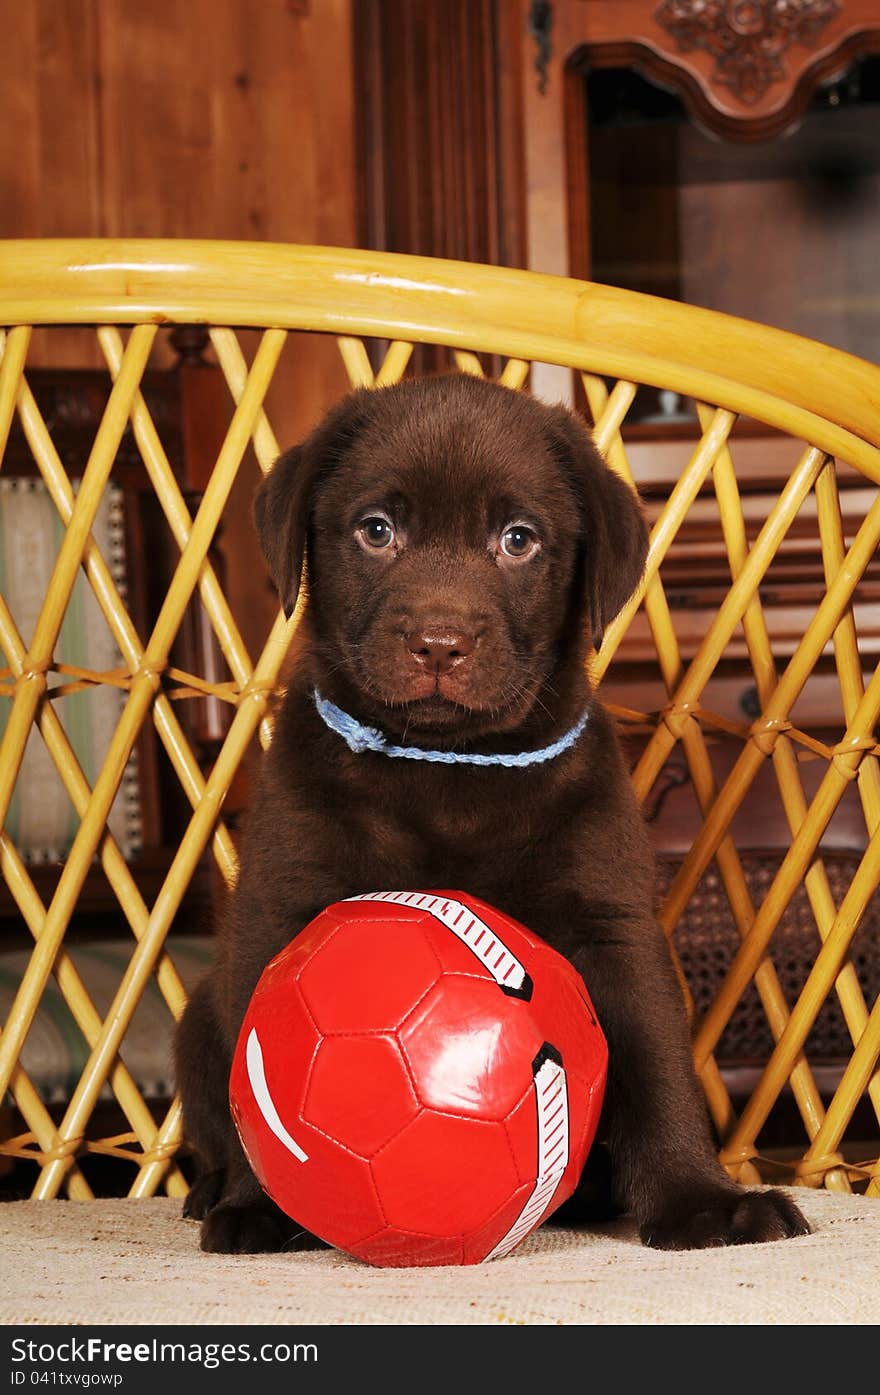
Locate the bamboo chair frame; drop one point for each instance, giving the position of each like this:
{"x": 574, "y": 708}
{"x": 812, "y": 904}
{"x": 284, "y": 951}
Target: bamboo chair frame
{"x": 826, "y": 399}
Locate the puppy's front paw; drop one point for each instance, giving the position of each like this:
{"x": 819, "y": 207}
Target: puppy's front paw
{"x": 203, "y": 1195}
{"x": 724, "y": 1217}
{"x": 252, "y": 1230}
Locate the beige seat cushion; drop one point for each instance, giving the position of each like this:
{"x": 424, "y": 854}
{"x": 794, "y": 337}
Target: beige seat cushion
{"x": 138, "y": 1262}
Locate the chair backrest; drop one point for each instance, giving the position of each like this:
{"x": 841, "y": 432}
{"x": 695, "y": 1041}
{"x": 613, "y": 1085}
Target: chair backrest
{"x": 378, "y": 307}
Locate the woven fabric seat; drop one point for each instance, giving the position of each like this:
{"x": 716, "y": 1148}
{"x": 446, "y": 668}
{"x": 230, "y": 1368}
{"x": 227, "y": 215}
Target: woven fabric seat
{"x": 557, "y": 1277}
{"x": 377, "y": 307}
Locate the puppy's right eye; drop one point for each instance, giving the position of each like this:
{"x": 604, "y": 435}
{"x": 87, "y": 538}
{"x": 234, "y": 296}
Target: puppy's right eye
{"x": 375, "y": 533}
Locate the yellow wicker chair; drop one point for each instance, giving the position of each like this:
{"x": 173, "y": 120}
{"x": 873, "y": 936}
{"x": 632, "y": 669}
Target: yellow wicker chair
{"x": 826, "y": 399}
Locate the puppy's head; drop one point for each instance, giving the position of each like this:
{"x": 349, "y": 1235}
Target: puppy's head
{"x": 465, "y": 544}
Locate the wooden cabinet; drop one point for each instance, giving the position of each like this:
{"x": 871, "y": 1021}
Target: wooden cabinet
{"x": 745, "y": 71}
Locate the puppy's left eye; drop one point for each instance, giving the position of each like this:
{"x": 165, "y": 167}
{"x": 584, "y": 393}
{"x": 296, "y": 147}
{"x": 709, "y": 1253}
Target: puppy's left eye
{"x": 376, "y": 533}
{"x": 519, "y": 542}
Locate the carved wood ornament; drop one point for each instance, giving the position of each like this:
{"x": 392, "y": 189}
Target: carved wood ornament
{"x": 747, "y": 38}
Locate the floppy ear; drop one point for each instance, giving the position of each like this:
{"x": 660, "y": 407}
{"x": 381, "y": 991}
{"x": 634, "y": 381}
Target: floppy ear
{"x": 615, "y": 535}
{"x": 280, "y": 514}
{"x": 283, "y": 502}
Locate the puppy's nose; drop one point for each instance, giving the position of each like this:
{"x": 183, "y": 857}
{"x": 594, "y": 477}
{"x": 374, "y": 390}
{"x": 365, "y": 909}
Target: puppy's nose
{"x": 438, "y": 649}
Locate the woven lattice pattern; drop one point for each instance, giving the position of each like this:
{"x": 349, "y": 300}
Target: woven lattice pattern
{"x": 153, "y": 690}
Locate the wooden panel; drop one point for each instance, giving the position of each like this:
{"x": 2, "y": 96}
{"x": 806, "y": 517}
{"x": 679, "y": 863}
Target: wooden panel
{"x": 49, "y": 150}
{"x": 439, "y": 156}
{"x": 221, "y": 118}
{"x": 48, "y": 138}
{"x": 248, "y": 106}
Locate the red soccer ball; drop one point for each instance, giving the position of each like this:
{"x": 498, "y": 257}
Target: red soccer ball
{"x": 418, "y": 1079}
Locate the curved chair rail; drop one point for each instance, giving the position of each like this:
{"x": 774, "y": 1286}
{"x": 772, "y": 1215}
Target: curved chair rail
{"x": 809, "y": 389}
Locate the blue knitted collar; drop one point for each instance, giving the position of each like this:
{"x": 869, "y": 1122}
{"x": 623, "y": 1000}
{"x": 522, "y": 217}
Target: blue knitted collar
{"x": 361, "y": 738}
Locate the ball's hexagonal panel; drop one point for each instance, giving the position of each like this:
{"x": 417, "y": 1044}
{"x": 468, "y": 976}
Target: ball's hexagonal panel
{"x": 482, "y": 1241}
{"x": 332, "y": 1194}
{"x": 455, "y": 957}
{"x": 369, "y": 975}
{"x": 470, "y": 1047}
{"x": 400, "y": 1248}
{"x": 288, "y": 963}
{"x": 443, "y": 1175}
{"x": 561, "y": 1003}
{"x": 288, "y": 1041}
{"x": 522, "y": 1131}
{"x": 360, "y": 1092}
{"x": 586, "y": 1107}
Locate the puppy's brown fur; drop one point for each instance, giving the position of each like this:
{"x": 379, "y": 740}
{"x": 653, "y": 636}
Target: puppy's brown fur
{"x": 433, "y": 621}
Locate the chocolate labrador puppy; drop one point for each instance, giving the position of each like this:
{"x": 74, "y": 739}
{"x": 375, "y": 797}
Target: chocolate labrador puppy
{"x": 466, "y": 547}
